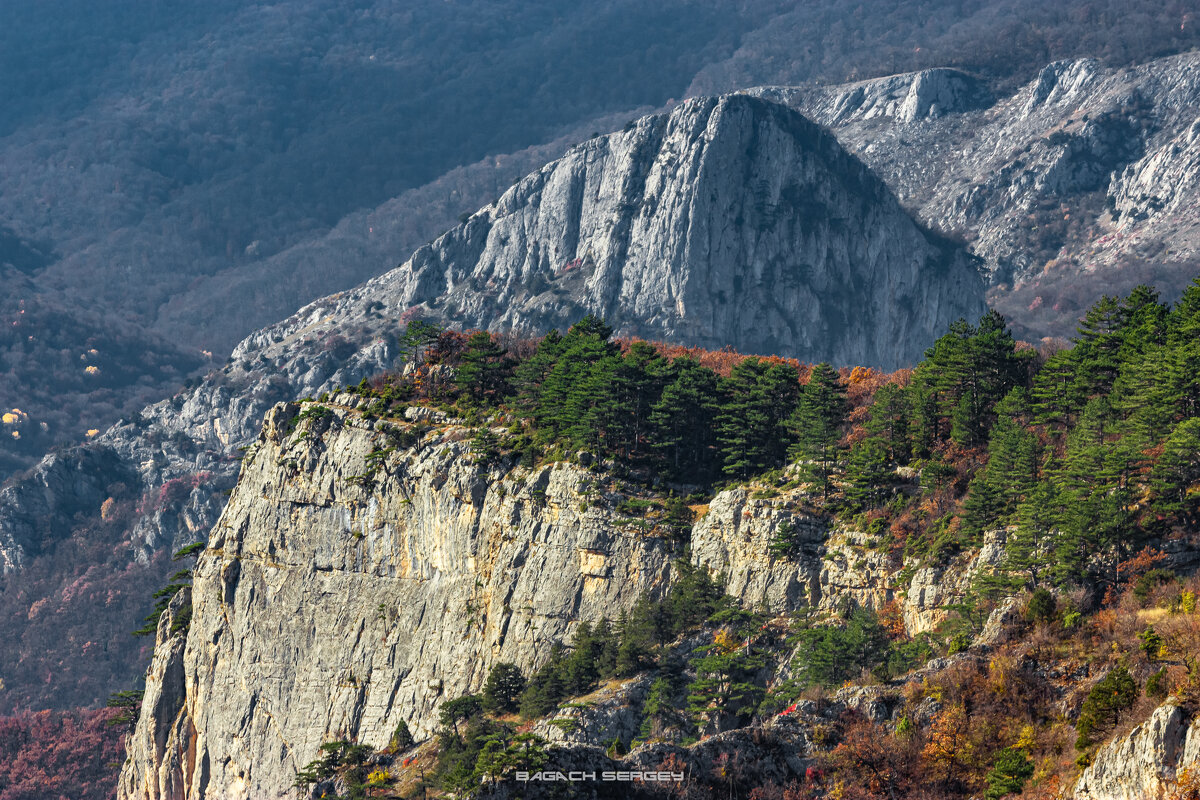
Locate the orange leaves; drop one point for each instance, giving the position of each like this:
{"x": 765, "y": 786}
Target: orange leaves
{"x": 893, "y": 621}
{"x": 948, "y": 749}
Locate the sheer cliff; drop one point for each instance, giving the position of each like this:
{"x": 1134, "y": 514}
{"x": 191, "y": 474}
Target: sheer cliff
{"x": 360, "y": 577}
{"x": 729, "y": 221}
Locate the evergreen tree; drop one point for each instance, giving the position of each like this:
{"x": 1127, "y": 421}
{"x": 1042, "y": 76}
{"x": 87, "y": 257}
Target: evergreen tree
{"x": 502, "y": 690}
{"x": 482, "y": 372}
{"x": 1097, "y": 348}
{"x": 417, "y": 338}
{"x": 636, "y": 634}
{"x": 659, "y": 712}
{"x": 1037, "y": 517}
{"x": 938, "y": 384}
{"x": 993, "y": 368}
{"x": 817, "y": 424}
{"x": 829, "y": 654}
{"x": 546, "y": 687}
{"x": 888, "y": 422}
{"x": 867, "y": 473}
{"x": 694, "y": 598}
{"x": 637, "y": 384}
{"x": 1175, "y": 478}
{"x": 1102, "y": 708}
{"x": 1056, "y": 398}
{"x": 1011, "y": 768}
{"x": 759, "y": 398}
{"x": 725, "y": 687}
{"x": 682, "y": 422}
{"x": 531, "y": 373}
{"x": 575, "y": 398}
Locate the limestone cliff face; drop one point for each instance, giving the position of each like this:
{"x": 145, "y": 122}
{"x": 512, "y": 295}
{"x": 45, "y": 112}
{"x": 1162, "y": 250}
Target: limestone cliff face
{"x": 351, "y": 584}
{"x": 1144, "y": 764}
{"x": 729, "y": 221}
{"x": 1114, "y": 150}
{"x": 357, "y": 579}
{"x": 829, "y": 565}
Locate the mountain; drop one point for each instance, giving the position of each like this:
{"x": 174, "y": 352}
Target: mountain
{"x": 183, "y": 175}
{"x": 674, "y": 228}
{"x": 1077, "y": 183}
{"x": 328, "y": 608}
{"x": 979, "y": 584}
{"x": 814, "y": 231}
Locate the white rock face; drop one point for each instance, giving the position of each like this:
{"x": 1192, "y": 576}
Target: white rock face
{"x": 332, "y": 606}
{"x": 729, "y": 221}
{"x": 351, "y": 583}
{"x": 1114, "y": 149}
{"x": 1141, "y": 765}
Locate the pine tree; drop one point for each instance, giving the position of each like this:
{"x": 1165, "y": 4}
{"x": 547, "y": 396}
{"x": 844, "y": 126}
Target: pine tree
{"x": 482, "y": 372}
{"x": 993, "y": 367}
{"x": 1037, "y": 517}
{"x": 888, "y": 421}
{"x": 937, "y": 384}
{"x": 531, "y": 373}
{"x": 502, "y": 690}
{"x": 759, "y": 397}
{"x": 867, "y": 473}
{"x": 1097, "y": 348}
{"x": 546, "y": 687}
{"x": 1175, "y": 478}
{"x": 574, "y": 403}
{"x": 1056, "y": 397}
{"x": 637, "y": 385}
{"x": 682, "y": 422}
{"x": 816, "y": 425}
{"x": 1183, "y": 339}
{"x": 417, "y": 337}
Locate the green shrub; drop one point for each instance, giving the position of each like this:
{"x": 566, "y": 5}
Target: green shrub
{"x": 1157, "y": 685}
{"x": 1010, "y": 769}
{"x": 1114, "y": 693}
{"x": 1041, "y": 607}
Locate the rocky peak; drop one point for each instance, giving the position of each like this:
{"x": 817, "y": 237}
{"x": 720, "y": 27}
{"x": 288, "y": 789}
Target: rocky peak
{"x": 674, "y": 227}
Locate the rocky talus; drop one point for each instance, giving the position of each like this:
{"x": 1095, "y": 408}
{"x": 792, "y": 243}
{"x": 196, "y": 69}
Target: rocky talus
{"x": 357, "y": 579}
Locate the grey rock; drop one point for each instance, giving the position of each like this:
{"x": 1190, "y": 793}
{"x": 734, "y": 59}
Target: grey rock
{"x": 611, "y": 712}
{"x": 330, "y": 604}
{"x": 672, "y": 229}
{"x": 1140, "y": 765}
{"x": 1116, "y": 148}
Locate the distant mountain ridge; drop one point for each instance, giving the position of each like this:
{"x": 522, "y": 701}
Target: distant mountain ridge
{"x": 728, "y": 222}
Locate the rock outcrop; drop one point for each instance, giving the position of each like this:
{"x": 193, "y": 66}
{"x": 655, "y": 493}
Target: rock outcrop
{"x": 365, "y": 571}
{"x": 351, "y": 584}
{"x": 675, "y": 227}
{"x": 1085, "y": 168}
{"x": 1143, "y": 764}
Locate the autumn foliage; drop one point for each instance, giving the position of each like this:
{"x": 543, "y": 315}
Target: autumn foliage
{"x": 59, "y": 756}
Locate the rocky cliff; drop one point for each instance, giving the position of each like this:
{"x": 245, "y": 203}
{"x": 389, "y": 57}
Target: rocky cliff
{"x": 933, "y": 136}
{"x": 1081, "y": 176}
{"x": 357, "y": 579}
{"x": 675, "y": 227}
{"x": 730, "y": 221}
{"x": 1146, "y": 763}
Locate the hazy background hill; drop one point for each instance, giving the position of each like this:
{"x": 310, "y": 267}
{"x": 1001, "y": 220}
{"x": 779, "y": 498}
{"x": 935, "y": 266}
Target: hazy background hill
{"x": 171, "y": 173}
